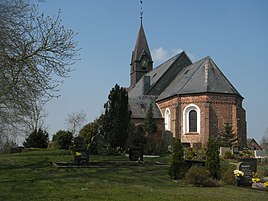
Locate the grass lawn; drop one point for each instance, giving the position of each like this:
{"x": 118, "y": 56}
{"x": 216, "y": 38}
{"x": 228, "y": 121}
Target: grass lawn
{"x": 30, "y": 176}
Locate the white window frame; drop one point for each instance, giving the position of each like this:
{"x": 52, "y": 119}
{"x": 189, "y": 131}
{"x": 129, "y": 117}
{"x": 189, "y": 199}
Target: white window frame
{"x": 167, "y": 119}
{"x": 186, "y": 112}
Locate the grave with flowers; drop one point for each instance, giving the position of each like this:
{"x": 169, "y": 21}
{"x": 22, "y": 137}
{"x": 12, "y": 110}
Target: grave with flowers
{"x": 244, "y": 174}
{"x": 259, "y": 184}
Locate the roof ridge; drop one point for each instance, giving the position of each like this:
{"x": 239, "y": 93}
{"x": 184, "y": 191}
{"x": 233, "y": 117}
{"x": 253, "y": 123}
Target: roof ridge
{"x": 178, "y": 56}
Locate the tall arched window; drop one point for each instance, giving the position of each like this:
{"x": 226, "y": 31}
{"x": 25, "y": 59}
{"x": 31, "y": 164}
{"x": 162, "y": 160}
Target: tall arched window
{"x": 167, "y": 119}
{"x": 191, "y": 119}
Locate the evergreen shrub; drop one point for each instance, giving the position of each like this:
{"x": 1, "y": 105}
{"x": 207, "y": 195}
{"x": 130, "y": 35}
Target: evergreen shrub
{"x": 199, "y": 176}
{"x": 177, "y": 167}
{"x": 228, "y": 175}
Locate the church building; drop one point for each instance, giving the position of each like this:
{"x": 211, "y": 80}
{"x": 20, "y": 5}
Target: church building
{"x": 191, "y": 100}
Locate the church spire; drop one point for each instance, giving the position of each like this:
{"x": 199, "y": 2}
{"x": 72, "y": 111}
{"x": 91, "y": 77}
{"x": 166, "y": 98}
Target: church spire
{"x": 141, "y": 11}
{"x": 141, "y": 61}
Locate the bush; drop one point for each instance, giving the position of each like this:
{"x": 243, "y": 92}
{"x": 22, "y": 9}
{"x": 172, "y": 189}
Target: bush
{"x": 53, "y": 145}
{"x": 154, "y": 146}
{"x": 199, "y": 176}
{"x": 213, "y": 160}
{"x": 228, "y": 155}
{"x": 228, "y": 175}
{"x": 136, "y": 137}
{"x": 37, "y": 139}
{"x": 6, "y": 145}
{"x": 64, "y": 139}
{"x": 177, "y": 167}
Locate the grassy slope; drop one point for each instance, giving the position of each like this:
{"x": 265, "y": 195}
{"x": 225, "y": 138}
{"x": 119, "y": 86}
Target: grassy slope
{"x": 30, "y": 176}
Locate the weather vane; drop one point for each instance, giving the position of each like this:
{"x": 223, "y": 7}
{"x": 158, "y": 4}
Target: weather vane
{"x": 141, "y": 10}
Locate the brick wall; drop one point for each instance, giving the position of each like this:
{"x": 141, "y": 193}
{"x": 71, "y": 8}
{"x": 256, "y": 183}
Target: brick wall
{"x": 215, "y": 110}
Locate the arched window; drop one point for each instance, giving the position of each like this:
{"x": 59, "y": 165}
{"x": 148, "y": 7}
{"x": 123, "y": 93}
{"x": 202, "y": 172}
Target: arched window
{"x": 191, "y": 119}
{"x": 167, "y": 119}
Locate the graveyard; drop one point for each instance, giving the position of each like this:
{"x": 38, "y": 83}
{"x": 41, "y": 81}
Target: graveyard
{"x": 31, "y": 176}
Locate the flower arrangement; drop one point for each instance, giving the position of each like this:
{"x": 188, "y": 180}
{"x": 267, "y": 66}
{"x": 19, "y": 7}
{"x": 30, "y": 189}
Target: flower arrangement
{"x": 238, "y": 173}
{"x": 255, "y": 179}
{"x": 265, "y": 184}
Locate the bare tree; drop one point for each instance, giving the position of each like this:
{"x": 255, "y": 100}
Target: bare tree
{"x": 75, "y": 121}
{"x": 36, "y": 52}
{"x": 34, "y": 119}
{"x": 264, "y": 140}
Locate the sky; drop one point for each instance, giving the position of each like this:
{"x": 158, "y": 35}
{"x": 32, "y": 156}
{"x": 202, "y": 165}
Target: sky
{"x": 234, "y": 33}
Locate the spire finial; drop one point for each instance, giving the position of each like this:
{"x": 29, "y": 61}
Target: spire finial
{"x": 141, "y": 11}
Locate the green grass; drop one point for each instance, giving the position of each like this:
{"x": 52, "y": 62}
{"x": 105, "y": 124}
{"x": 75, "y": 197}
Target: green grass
{"x": 30, "y": 176}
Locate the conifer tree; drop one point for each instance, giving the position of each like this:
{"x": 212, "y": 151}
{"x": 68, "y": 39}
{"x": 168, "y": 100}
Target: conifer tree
{"x": 37, "y": 139}
{"x": 227, "y": 137}
{"x": 149, "y": 125}
{"x": 177, "y": 167}
{"x": 116, "y": 117}
{"x": 213, "y": 160}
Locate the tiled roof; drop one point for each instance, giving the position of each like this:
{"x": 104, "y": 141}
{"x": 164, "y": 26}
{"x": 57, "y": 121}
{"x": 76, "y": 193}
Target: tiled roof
{"x": 201, "y": 77}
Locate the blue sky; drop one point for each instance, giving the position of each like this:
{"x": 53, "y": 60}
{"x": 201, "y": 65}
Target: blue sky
{"x": 233, "y": 32}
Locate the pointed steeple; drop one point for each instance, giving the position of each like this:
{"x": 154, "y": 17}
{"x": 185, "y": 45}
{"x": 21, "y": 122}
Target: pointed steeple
{"x": 141, "y": 46}
{"x": 141, "y": 61}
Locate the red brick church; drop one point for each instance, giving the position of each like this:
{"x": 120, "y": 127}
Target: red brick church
{"x": 192, "y": 100}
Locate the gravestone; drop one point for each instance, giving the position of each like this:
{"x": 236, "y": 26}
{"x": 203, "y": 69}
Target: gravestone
{"x": 135, "y": 154}
{"x": 167, "y": 137}
{"x": 246, "y": 168}
{"x": 251, "y": 161}
{"x": 235, "y": 150}
{"x": 190, "y": 163}
{"x": 223, "y": 151}
{"x": 260, "y": 154}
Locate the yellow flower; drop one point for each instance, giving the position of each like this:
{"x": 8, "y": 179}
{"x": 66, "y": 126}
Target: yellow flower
{"x": 238, "y": 173}
{"x": 265, "y": 184}
{"x": 255, "y": 179}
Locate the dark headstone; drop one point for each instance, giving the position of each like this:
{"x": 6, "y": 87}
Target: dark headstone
{"x": 246, "y": 168}
{"x": 251, "y": 161}
{"x": 190, "y": 163}
{"x": 235, "y": 150}
{"x": 186, "y": 145}
{"x": 135, "y": 154}
{"x": 81, "y": 157}
{"x": 167, "y": 137}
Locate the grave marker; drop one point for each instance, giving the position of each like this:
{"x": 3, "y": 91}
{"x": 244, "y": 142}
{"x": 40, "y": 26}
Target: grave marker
{"x": 246, "y": 179}
{"x": 251, "y": 161}
{"x": 167, "y": 137}
{"x": 223, "y": 151}
{"x": 135, "y": 154}
{"x": 235, "y": 150}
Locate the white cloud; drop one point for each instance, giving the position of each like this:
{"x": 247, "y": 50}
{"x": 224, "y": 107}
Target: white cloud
{"x": 160, "y": 54}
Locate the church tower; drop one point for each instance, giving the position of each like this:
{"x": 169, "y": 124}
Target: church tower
{"x": 141, "y": 61}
